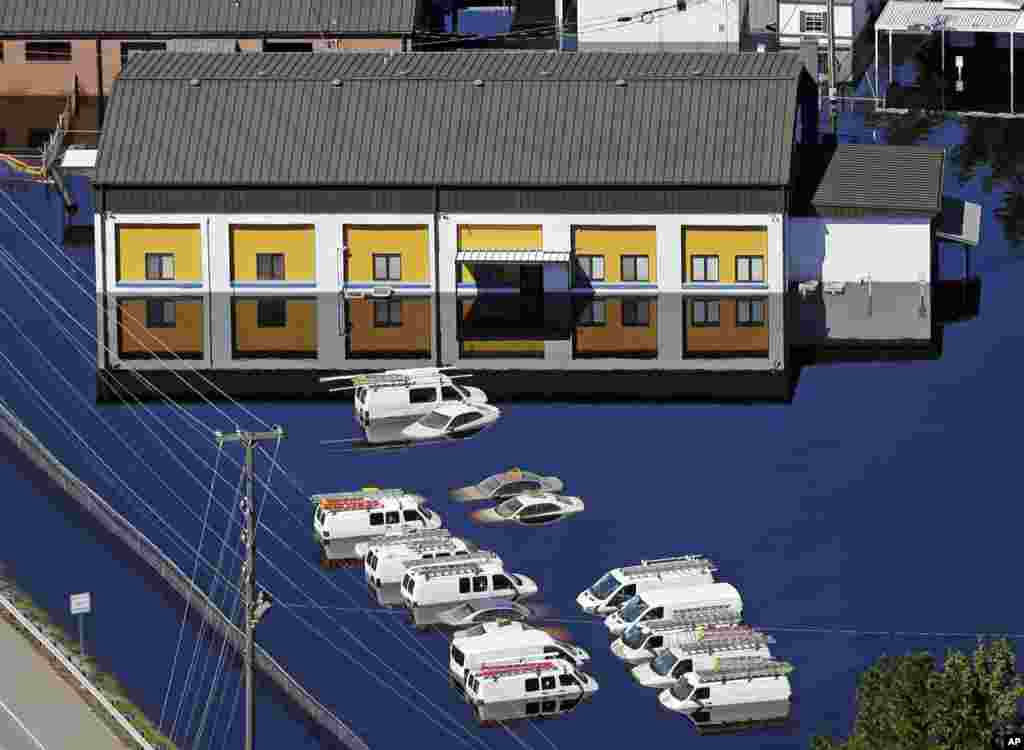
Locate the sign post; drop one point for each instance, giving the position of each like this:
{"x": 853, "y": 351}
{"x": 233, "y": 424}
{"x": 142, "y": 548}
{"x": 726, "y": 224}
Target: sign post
{"x": 81, "y": 605}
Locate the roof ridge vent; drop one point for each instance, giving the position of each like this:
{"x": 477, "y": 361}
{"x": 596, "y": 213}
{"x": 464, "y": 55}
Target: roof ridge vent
{"x": 336, "y": 82}
{"x": 477, "y": 82}
{"x": 620, "y": 82}
{"x": 193, "y": 82}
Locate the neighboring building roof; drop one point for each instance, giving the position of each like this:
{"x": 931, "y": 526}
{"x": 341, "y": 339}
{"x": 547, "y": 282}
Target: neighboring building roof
{"x": 898, "y": 15}
{"x": 871, "y": 177}
{"x": 452, "y": 119}
{"x": 83, "y": 18}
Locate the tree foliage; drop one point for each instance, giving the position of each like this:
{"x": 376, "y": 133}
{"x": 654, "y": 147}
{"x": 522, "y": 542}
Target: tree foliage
{"x": 906, "y": 703}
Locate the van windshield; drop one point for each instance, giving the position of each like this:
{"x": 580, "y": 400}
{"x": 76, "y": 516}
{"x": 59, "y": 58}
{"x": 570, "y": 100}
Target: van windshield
{"x": 662, "y": 664}
{"x": 682, "y": 690}
{"x": 633, "y": 609}
{"x": 508, "y": 508}
{"x": 605, "y": 587}
{"x": 634, "y": 636}
{"x": 435, "y": 421}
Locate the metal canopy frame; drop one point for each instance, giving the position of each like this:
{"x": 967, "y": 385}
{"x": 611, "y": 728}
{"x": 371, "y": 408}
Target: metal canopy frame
{"x": 926, "y": 18}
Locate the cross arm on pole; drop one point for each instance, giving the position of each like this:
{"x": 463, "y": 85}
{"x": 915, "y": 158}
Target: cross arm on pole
{"x": 235, "y": 437}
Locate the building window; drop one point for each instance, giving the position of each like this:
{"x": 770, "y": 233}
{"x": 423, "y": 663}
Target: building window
{"x": 130, "y": 49}
{"x": 37, "y": 137}
{"x": 161, "y": 313}
{"x": 271, "y": 313}
{"x": 813, "y": 22}
{"x": 48, "y": 52}
{"x": 749, "y": 268}
{"x": 593, "y": 313}
{"x": 591, "y": 267}
{"x": 634, "y": 268}
{"x": 704, "y": 313}
{"x": 750, "y": 312}
{"x": 704, "y": 268}
{"x": 270, "y": 266}
{"x": 387, "y": 267}
{"x": 636, "y": 312}
{"x": 387, "y": 313}
{"x": 287, "y": 46}
{"x": 159, "y": 267}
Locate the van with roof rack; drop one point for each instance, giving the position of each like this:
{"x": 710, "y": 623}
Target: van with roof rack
{"x": 619, "y": 585}
{"x": 665, "y": 604}
{"x": 643, "y": 641}
{"x": 670, "y": 664}
{"x": 514, "y": 689}
{"x": 386, "y": 563}
{"x": 430, "y": 588}
{"x": 469, "y": 652}
{"x": 730, "y": 681}
{"x": 341, "y": 520}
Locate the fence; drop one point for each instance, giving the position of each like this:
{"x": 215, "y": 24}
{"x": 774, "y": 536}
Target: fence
{"x": 169, "y": 571}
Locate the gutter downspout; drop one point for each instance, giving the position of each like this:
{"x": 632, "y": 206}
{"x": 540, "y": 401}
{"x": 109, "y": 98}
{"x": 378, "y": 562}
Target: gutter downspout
{"x": 103, "y": 276}
{"x": 437, "y": 274}
{"x": 100, "y": 106}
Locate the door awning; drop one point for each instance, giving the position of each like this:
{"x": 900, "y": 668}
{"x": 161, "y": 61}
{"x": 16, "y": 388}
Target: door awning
{"x": 960, "y": 221}
{"x": 512, "y": 256}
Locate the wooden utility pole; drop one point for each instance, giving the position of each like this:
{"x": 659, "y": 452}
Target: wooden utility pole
{"x": 255, "y": 606}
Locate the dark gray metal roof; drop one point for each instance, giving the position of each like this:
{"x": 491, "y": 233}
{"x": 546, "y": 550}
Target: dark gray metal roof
{"x": 206, "y": 17}
{"x": 451, "y": 119}
{"x": 870, "y": 176}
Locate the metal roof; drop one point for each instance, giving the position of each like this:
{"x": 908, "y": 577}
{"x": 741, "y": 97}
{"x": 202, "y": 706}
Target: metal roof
{"x": 869, "y": 176}
{"x": 452, "y": 119}
{"x": 205, "y": 17}
{"x": 905, "y": 16}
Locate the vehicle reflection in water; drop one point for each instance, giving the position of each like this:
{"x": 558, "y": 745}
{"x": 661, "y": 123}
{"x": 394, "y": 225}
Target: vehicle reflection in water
{"x": 561, "y": 346}
{"x": 740, "y": 719}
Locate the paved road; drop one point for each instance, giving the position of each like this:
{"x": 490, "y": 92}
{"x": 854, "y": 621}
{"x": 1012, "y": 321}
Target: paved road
{"x": 38, "y": 709}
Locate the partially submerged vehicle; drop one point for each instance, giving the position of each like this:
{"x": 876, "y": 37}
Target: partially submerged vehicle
{"x": 506, "y": 484}
{"x": 619, "y": 585}
{"x": 643, "y": 641}
{"x": 670, "y": 664}
{"x": 744, "y": 717}
{"x": 514, "y": 689}
{"x": 533, "y": 508}
{"x": 667, "y": 604}
{"x": 468, "y": 653}
{"x": 454, "y": 421}
{"x": 484, "y": 611}
{"x": 731, "y": 681}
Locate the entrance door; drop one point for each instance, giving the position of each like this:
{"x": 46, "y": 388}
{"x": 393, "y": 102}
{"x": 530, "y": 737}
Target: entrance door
{"x": 531, "y": 279}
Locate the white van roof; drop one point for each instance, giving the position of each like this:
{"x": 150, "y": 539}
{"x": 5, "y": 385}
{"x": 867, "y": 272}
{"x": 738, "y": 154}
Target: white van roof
{"x": 742, "y": 668}
{"x": 737, "y": 639}
{"x": 699, "y": 593}
{"x": 668, "y": 567}
{"x": 369, "y": 498}
{"x": 470, "y": 564}
{"x": 500, "y": 670}
{"x": 505, "y": 639}
{"x": 423, "y": 546}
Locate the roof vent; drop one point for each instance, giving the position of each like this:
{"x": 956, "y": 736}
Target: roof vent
{"x": 335, "y": 82}
{"x": 620, "y": 82}
{"x": 696, "y": 72}
{"x": 545, "y": 72}
{"x": 193, "y": 82}
{"x": 478, "y": 82}
{"x": 261, "y": 72}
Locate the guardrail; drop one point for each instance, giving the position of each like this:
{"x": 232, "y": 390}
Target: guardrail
{"x": 123, "y": 529}
{"x": 74, "y": 670}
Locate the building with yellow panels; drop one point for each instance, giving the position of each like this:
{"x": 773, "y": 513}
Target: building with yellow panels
{"x": 615, "y": 257}
{"x": 392, "y": 256}
{"x": 725, "y": 255}
{"x": 273, "y": 255}
{"x": 726, "y": 326}
{"x": 619, "y": 327}
{"x": 159, "y": 254}
{"x": 397, "y": 327}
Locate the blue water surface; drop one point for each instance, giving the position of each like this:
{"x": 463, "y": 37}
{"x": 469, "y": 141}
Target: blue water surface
{"x": 879, "y": 500}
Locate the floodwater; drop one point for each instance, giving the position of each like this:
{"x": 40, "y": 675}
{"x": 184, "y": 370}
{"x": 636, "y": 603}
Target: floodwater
{"x": 871, "y": 515}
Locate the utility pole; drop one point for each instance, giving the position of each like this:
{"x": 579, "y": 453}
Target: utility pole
{"x": 255, "y": 606}
{"x": 831, "y": 21}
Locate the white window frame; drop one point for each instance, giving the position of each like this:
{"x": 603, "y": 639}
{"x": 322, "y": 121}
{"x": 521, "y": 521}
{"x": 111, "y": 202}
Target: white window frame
{"x": 818, "y": 17}
{"x": 748, "y": 261}
{"x": 704, "y": 262}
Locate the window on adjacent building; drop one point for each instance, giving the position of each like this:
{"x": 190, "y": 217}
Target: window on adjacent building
{"x": 48, "y": 52}
{"x": 270, "y": 266}
{"x": 591, "y": 267}
{"x": 287, "y": 46}
{"x": 387, "y": 313}
{"x": 813, "y": 22}
{"x": 705, "y": 312}
{"x": 159, "y": 266}
{"x": 387, "y": 267}
{"x": 634, "y": 268}
{"x": 271, "y": 313}
{"x": 593, "y": 313}
{"x": 750, "y": 312}
{"x": 749, "y": 268}
{"x": 130, "y": 49}
{"x": 636, "y": 312}
{"x": 704, "y": 268}
{"x": 161, "y": 313}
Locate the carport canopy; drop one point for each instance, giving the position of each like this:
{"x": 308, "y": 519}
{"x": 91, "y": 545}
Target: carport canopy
{"x": 512, "y": 256}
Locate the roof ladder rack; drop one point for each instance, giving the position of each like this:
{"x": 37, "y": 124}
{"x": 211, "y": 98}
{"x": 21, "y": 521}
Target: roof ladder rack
{"x": 720, "y": 614}
{"x": 731, "y": 641}
{"x": 410, "y": 537}
{"x": 744, "y": 668}
{"x": 471, "y": 564}
{"x": 654, "y": 568}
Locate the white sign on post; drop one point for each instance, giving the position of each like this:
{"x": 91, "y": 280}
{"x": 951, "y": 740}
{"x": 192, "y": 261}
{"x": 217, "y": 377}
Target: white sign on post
{"x": 81, "y": 604}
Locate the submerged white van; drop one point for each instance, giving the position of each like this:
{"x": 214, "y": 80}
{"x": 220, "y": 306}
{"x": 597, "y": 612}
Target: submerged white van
{"x": 665, "y": 604}
{"x": 469, "y": 653}
{"x": 408, "y": 394}
{"x": 670, "y": 664}
{"x": 506, "y": 690}
{"x": 733, "y": 681}
{"x": 386, "y": 564}
{"x": 619, "y": 585}
{"x": 341, "y": 520}
{"x": 430, "y": 588}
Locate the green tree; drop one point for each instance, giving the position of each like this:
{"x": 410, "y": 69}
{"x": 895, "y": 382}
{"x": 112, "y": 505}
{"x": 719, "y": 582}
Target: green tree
{"x": 905, "y": 703}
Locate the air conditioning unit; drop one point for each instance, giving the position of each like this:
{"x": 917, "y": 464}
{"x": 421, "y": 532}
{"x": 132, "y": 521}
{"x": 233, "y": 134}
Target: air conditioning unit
{"x": 354, "y": 294}
{"x": 381, "y": 291}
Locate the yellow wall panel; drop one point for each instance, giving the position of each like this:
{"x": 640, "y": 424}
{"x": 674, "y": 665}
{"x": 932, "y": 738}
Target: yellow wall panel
{"x": 614, "y": 337}
{"x": 726, "y": 243}
{"x": 411, "y": 242}
{"x": 613, "y": 243}
{"x": 497, "y": 237}
{"x": 297, "y": 336}
{"x": 297, "y": 243}
{"x": 504, "y": 346}
{"x": 412, "y": 336}
{"x": 726, "y": 336}
{"x": 186, "y": 337}
{"x": 183, "y": 241}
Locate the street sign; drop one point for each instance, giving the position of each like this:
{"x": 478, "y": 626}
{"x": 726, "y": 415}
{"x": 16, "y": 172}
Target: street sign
{"x": 81, "y": 604}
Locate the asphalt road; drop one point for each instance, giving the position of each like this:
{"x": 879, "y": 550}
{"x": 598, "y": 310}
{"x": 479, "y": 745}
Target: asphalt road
{"x": 38, "y": 709}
